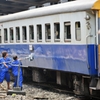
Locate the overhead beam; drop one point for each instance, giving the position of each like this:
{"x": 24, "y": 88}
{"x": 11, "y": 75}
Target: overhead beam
{"x": 44, "y": 1}
{"x": 27, "y": 1}
{"x": 8, "y": 9}
{"x": 11, "y": 5}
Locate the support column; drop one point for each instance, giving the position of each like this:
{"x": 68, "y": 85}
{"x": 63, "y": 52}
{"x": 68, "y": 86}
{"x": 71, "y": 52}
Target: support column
{"x": 58, "y": 78}
{"x": 38, "y": 75}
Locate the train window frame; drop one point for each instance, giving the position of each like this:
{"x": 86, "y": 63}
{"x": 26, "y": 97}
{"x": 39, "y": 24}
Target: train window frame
{"x": 67, "y": 27}
{"x": 31, "y": 34}
{"x": 11, "y": 31}
{"x": 39, "y": 37}
{"x": 24, "y": 35}
{"x": 48, "y": 32}
{"x": 6, "y": 38}
{"x": 78, "y": 28}
{"x": 57, "y": 32}
{"x": 18, "y": 36}
{"x": 0, "y": 36}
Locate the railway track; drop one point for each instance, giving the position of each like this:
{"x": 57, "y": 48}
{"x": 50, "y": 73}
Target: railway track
{"x": 45, "y": 91}
{"x": 60, "y": 89}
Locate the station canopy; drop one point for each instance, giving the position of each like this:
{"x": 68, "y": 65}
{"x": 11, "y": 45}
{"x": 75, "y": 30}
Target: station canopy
{"x": 12, "y": 6}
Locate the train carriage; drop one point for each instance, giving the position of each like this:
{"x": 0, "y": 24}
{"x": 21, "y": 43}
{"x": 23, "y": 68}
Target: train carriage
{"x": 62, "y": 37}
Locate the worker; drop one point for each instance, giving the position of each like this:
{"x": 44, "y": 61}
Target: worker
{"x": 4, "y": 67}
{"x": 15, "y": 71}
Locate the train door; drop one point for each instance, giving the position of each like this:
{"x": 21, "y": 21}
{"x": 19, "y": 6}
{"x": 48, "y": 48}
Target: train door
{"x": 91, "y": 43}
{"x": 95, "y": 82}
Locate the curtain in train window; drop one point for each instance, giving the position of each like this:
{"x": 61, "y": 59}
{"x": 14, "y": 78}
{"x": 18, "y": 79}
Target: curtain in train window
{"x": 17, "y": 34}
{"x": 47, "y": 32}
{"x": 78, "y": 31}
{"x": 24, "y": 33}
{"x": 67, "y": 31}
{"x": 57, "y": 30}
{"x": 5, "y": 35}
{"x": 31, "y": 32}
{"x": 39, "y": 32}
{"x": 11, "y": 35}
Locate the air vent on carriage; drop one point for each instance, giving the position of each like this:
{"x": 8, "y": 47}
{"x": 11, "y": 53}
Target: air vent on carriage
{"x": 62, "y": 1}
{"x": 32, "y": 7}
{"x": 46, "y": 4}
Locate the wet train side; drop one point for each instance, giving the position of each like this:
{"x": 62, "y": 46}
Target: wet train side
{"x": 63, "y": 40}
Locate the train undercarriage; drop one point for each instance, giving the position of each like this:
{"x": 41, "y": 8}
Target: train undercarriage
{"x": 81, "y": 85}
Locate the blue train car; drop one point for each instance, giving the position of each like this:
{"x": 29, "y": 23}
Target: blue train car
{"x": 63, "y": 38}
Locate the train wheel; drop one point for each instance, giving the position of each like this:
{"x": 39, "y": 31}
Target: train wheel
{"x": 81, "y": 85}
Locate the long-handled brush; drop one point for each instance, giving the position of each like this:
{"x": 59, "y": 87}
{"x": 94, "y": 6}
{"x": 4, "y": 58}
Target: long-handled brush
{"x": 17, "y": 90}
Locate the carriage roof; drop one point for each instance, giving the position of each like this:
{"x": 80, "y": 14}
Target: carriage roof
{"x": 78, "y": 5}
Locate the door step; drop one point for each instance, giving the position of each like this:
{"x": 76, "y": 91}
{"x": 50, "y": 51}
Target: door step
{"x": 95, "y": 84}
{"x": 93, "y": 88}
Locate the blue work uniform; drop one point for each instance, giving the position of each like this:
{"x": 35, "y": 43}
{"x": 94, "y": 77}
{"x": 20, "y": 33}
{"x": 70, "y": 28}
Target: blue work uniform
{"x": 0, "y": 68}
{"x": 0, "y": 64}
{"x": 15, "y": 65}
{"x": 4, "y": 74}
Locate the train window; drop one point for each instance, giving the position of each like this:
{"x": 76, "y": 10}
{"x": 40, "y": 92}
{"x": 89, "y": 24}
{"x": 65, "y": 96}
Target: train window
{"x": 57, "y": 31}
{"x": 0, "y": 35}
{"x": 31, "y": 32}
{"x": 78, "y": 31}
{"x": 11, "y": 35}
{"x": 17, "y": 34}
{"x": 39, "y": 32}
{"x": 24, "y": 33}
{"x": 5, "y": 35}
{"x": 67, "y": 31}
{"x": 47, "y": 32}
